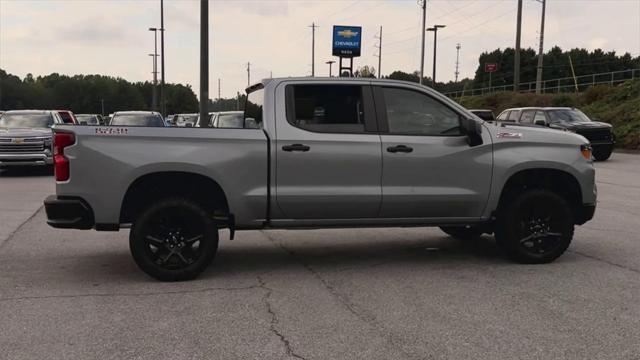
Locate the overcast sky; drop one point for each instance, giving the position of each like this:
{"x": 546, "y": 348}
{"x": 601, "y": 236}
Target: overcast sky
{"x": 111, "y": 37}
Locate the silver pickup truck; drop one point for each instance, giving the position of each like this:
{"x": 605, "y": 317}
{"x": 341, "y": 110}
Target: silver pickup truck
{"x": 326, "y": 152}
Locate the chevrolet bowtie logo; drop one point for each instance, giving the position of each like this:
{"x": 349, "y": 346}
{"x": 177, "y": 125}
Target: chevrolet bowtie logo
{"x": 347, "y": 33}
{"x": 17, "y": 141}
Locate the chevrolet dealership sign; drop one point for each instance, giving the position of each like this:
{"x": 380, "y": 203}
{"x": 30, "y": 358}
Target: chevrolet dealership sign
{"x": 346, "y": 40}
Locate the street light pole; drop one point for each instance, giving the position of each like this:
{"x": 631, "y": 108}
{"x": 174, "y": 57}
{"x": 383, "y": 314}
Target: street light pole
{"x": 423, "y": 4}
{"x": 154, "y": 100}
{"x": 330, "y": 62}
{"x": 204, "y": 61}
{"x": 540, "y": 51}
{"x": 516, "y": 61}
{"x": 163, "y": 101}
{"x": 435, "y": 46}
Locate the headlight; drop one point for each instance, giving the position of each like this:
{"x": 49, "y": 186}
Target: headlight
{"x": 585, "y": 150}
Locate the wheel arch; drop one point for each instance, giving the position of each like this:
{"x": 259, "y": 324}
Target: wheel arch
{"x": 559, "y": 181}
{"x": 161, "y": 184}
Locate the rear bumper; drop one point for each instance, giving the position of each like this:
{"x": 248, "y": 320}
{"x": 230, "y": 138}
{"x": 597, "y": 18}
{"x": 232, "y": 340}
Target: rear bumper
{"x": 35, "y": 159}
{"x": 68, "y": 213}
{"x": 585, "y": 213}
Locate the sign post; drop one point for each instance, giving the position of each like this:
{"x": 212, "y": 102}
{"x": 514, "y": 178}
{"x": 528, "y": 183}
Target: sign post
{"x": 490, "y": 68}
{"x": 346, "y": 44}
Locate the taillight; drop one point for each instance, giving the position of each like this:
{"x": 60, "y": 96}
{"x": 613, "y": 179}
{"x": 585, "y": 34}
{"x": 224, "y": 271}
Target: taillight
{"x": 60, "y": 162}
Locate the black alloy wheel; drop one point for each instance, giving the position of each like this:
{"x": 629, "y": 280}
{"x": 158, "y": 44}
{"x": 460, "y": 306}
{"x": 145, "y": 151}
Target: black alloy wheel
{"x": 173, "y": 239}
{"x": 535, "y": 227}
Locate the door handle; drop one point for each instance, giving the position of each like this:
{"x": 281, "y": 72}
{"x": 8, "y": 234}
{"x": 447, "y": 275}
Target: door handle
{"x": 399, "y": 148}
{"x": 296, "y": 147}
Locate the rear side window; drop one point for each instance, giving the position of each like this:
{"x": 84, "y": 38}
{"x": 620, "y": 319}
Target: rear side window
{"x": 326, "y": 108}
{"x": 527, "y": 116}
{"x": 503, "y": 116}
{"x": 513, "y": 115}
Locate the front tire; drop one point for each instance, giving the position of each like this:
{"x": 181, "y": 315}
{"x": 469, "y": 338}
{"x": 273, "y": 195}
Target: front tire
{"x": 535, "y": 227}
{"x": 173, "y": 240}
{"x": 602, "y": 153}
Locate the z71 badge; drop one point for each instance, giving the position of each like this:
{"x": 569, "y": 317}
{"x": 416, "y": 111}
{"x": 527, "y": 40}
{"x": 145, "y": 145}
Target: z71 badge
{"x": 111, "y": 131}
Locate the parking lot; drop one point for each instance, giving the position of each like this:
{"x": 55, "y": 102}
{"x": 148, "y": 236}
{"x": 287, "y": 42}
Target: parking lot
{"x": 401, "y": 293}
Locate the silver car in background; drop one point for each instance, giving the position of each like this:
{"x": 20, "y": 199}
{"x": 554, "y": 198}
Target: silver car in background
{"x": 25, "y": 137}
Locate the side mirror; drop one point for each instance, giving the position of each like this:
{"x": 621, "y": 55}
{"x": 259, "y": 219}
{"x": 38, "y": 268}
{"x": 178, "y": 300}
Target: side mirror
{"x": 473, "y": 130}
{"x": 188, "y": 125}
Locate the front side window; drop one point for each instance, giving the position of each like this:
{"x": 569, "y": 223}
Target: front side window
{"x": 411, "y": 112}
{"x": 513, "y": 115}
{"x": 527, "y": 116}
{"x": 328, "y": 108}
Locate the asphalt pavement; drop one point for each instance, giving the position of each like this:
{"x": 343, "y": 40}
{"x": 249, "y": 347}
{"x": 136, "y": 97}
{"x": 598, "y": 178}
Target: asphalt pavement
{"x": 398, "y": 293}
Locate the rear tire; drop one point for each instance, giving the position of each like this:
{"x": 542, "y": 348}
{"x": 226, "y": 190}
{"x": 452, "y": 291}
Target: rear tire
{"x": 535, "y": 227}
{"x": 173, "y": 239}
{"x": 464, "y": 233}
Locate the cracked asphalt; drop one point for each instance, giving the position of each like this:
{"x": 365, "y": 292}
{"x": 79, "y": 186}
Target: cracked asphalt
{"x": 400, "y": 293}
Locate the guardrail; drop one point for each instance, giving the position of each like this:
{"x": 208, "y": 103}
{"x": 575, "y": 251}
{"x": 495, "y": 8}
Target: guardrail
{"x": 566, "y": 84}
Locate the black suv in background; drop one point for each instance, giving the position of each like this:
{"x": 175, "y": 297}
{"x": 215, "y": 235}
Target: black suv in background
{"x": 599, "y": 134}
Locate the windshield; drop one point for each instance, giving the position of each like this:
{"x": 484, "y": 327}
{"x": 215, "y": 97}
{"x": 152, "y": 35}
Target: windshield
{"x": 89, "y": 119}
{"x": 137, "y": 120}
{"x": 8, "y": 120}
{"x": 230, "y": 120}
{"x": 567, "y": 115}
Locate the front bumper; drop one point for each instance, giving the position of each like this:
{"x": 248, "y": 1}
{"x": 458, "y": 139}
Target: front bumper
{"x": 68, "y": 213}
{"x": 35, "y": 159}
{"x": 585, "y": 213}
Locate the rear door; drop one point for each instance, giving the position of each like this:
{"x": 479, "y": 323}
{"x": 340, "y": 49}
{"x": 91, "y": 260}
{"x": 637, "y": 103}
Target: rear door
{"x": 328, "y": 157}
{"x": 429, "y": 170}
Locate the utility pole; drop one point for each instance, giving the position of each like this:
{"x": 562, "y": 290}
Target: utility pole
{"x": 313, "y": 48}
{"x": 435, "y": 46}
{"x": 379, "y": 37}
{"x": 540, "y": 51}
{"x": 204, "y": 61}
{"x": 457, "y": 61}
{"x": 516, "y": 61}
{"x": 163, "y": 101}
{"x": 423, "y": 4}
{"x": 219, "y": 91}
{"x": 330, "y": 62}
{"x": 154, "y": 100}
{"x": 248, "y": 74}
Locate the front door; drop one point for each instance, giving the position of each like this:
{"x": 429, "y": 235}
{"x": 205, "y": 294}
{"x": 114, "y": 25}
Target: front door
{"x": 429, "y": 170}
{"x": 328, "y": 157}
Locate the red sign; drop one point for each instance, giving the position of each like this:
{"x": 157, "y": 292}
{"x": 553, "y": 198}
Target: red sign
{"x": 490, "y": 67}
